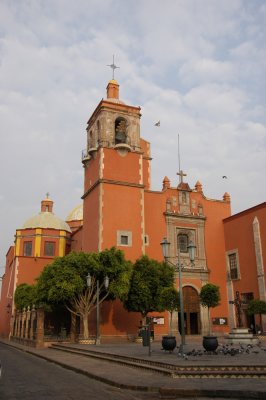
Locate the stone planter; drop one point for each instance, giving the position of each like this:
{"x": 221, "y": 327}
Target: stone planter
{"x": 210, "y": 343}
{"x": 169, "y": 343}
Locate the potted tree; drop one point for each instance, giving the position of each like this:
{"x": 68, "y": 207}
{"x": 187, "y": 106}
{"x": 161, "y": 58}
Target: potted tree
{"x": 169, "y": 300}
{"x": 210, "y": 298}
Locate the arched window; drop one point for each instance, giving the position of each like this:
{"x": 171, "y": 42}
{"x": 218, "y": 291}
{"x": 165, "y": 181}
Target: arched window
{"x": 182, "y": 243}
{"x": 91, "y": 140}
{"x": 98, "y": 133}
{"x": 120, "y": 130}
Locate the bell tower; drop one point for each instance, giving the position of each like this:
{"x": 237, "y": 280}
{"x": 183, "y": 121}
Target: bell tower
{"x": 113, "y": 124}
{"x": 115, "y": 175}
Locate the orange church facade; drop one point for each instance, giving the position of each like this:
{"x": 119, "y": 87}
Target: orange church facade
{"x": 117, "y": 167}
{"x": 120, "y": 209}
{"x": 245, "y": 243}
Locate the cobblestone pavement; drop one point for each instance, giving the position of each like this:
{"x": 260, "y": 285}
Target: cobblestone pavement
{"x": 134, "y": 378}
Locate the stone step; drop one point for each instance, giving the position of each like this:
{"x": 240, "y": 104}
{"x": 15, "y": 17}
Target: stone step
{"x": 173, "y": 371}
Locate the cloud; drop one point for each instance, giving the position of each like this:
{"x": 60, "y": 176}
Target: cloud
{"x": 200, "y": 70}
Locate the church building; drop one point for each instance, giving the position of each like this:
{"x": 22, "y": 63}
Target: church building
{"x": 120, "y": 209}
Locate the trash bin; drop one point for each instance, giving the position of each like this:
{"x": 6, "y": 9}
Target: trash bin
{"x": 145, "y": 334}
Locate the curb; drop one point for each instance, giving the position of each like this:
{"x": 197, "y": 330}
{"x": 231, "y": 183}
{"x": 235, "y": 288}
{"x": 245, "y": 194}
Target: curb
{"x": 169, "y": 393}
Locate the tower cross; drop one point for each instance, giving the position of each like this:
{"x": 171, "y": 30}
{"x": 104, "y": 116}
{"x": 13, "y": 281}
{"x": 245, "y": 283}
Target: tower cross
{"x": 113, "y": 66}
{"x": 181, "y": 175}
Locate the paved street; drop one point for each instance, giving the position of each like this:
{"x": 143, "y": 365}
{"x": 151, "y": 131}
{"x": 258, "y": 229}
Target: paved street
{"x": 61, "y": 374}
{"x": 30, "y": 378}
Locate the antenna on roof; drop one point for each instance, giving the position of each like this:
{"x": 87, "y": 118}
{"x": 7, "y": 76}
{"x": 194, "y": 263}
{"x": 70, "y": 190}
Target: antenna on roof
{"x": 180, "y": 172}
{"x": 179, "y": 168}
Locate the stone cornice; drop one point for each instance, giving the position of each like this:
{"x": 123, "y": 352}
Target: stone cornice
{"x": 111, "y": 182}
{"x": 185, "y": 216}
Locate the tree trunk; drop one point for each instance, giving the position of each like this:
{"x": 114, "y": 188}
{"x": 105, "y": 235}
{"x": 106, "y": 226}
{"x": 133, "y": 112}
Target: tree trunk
{"x": 73, "y": 327}
{"x": 171, "y": 322}
{"x": 85, "y": 326}
{"x": 209, "y": 317}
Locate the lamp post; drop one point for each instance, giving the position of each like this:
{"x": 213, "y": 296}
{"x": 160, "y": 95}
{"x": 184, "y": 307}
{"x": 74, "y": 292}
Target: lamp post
{"x": 89, "y": 284}
{"x": 191, "y": 249}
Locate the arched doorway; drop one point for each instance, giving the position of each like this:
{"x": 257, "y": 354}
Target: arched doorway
{"x": 191, "y": 311}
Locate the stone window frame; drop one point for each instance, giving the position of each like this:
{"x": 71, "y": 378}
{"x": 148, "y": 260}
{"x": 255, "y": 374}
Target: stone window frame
{"x": 120, "y": 238}
{"x": 181, "y": 245}
{"x": 191, "y": 234}
{"x": 229, "y": 269}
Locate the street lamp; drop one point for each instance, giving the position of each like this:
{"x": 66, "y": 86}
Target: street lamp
{"x": 191, "y": 249}
{"x": 89, "y": 284}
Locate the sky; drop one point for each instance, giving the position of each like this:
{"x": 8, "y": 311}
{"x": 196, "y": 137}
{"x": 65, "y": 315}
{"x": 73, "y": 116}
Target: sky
{"x": 198, "y": 66}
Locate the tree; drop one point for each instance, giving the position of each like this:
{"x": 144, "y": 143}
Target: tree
{"x": 169, "y": 300}
{"x": 257, "y": 306}
{"x": 64, "y": 281}
{"x": 149, "y": 278}
{"x": 25, "y": 295}
{"x": 210, "y": 297}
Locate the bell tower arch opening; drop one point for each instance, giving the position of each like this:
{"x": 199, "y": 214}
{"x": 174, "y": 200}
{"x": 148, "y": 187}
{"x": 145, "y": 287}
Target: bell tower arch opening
{"x": 98, "y": 139}
{"x": 120, "y": 130}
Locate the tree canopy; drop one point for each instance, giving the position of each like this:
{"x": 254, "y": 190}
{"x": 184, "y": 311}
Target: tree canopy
{"x": 210, "y": 295}
{"x": 65, "y": 281}
{"x": 170, "y": 301}
{"x": 256, "y": 306}
{"x": 149, "y": 278}
{"x": 25, "y": 295}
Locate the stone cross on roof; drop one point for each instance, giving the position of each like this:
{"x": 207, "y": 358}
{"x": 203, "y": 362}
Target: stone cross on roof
{"x": 181, "y": 175}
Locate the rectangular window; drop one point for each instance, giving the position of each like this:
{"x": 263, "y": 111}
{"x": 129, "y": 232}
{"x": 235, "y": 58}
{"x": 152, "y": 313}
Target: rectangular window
{"x": 27, "y": 250}
{"x": 49, "y": 249}
{"x": 124, "y": 238}
{"x": 233, "y": 266}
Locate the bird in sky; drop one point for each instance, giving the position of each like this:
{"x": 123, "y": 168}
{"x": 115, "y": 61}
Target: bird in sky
{"x": 225, "y": 177}
{"x": 157, "y": 123}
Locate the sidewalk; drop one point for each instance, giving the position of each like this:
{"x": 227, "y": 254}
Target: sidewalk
{"x": 138, "y": 379}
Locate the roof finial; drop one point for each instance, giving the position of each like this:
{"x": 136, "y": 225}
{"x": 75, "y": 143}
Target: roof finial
{"x": 47, "y": 195}
{"x": 113, "y": 66}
